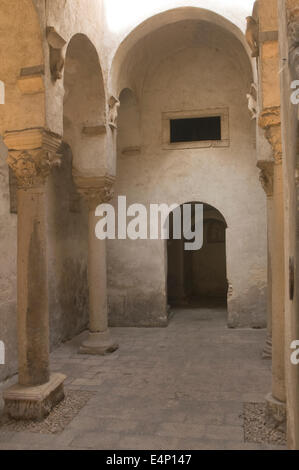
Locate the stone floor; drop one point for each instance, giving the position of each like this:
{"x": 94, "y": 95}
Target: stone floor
{"x": 180, "y": 387}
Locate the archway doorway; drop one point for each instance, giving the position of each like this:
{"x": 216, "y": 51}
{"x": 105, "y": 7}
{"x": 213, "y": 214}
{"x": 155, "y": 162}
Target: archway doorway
{"x": 198, "y": 278}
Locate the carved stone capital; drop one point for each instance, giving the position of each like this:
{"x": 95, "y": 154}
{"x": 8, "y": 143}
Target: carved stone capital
{"x": 94, "y": 189}
{"x": 32, "y": 153}
{"x": 270, "y": 121}
{"x": 57, "y": 56}
{"x": 266, "y": 176}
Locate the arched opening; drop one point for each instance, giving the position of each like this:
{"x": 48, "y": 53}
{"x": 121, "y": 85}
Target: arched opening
{"x": 198, "y": 278}
{"x": 84, "y": 137}
{"x": 191, "y": 66}
{"x": 127, "y": 56}
{"x": 84, "y": 109}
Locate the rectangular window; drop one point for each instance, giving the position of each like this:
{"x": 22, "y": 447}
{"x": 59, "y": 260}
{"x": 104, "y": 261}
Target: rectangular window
{"x": 195, "y": 129}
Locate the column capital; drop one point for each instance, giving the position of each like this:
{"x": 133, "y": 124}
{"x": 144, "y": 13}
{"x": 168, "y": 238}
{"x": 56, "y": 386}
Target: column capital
{"x": 266, "y": 176}
{"x": 270, "y": 121}
{"x": 94, "y": 189}
{"x": 32, "y": 153}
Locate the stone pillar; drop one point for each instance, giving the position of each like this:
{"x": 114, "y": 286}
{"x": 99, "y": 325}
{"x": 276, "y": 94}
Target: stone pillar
{"x": 270, "y": 122}
{"x": 95, "y": 191}
{"x": 289, "y": 49}
{"x": 32, "y": 154}
{"x": 266, "y": 179}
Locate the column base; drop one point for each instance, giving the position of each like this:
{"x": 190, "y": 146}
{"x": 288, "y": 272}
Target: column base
{"x": 267, "y": 352}
{"x": 34, "y": 402}
{"x": 276, "y": 412}
{"x": 98, "y": 344}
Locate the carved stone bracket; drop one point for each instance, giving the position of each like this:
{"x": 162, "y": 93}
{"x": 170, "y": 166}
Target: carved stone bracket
{"x": 266, "y": 176}
{"x": 56, "y": 43}
{"x": 32, "y": 153}
{"x": 113, "y": 111}
{"x": 94, "y": 189}
{"x": 270, "y": 121}
{"x": 252, "y": 101}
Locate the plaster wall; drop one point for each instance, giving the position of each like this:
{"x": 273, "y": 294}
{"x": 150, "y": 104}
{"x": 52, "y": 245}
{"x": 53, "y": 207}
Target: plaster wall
{"x": 23, "y": 44}
{"x": 193, "y": 77}
{"x": 67, "y": 254}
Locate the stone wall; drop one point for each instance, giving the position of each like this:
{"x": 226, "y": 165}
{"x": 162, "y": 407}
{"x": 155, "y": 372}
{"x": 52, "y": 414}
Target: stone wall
{"x": 67, "y": 260}
{"x": 189, "y": 66}
{"x": 67, "y": 252}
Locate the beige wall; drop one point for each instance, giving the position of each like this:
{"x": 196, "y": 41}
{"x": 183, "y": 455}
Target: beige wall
{"x": 191, "y": 75}
{"x": 23, "y": 44}
{"x": 67, "y": 254}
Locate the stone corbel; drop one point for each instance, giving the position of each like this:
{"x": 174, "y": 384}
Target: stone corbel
{"x": 270, "y": 121}
{"x": 252, "y": 101}
{"x": 266, "y": 176}
{"x": 95, "y": 190}
{"x": 56, "y": 44}
{"x": 113, "y": 111}
{"x": 32, "y": 153}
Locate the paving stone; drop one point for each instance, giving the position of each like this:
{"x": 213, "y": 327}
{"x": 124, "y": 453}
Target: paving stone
{"x": 96, "y": 440}
{"x": 180, "y": 387}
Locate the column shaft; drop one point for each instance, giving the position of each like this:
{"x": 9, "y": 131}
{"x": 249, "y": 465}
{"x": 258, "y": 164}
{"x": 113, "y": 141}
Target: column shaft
{"x": 278, "y": 357}
{"x": 96, "y": 190}
{"x": 97, "y": 279}
{"x": 32, "y": 154}
{"x": 267, "y": 353}
{"x": 33, "y": 314}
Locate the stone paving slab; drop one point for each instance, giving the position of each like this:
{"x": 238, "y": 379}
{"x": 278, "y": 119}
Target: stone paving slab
{"x": 180, "y": 387}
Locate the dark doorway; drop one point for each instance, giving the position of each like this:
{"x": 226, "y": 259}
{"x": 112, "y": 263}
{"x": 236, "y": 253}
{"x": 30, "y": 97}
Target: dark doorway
{"x": 198, "y": 278}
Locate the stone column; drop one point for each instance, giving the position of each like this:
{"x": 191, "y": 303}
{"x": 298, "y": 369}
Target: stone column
{"x": 290, "y": 48}
{"x": 95, "y": 191}
{"x": 266, "y": 179}
{"x": 32, "y": 154}
{"x": 270, "y": 122}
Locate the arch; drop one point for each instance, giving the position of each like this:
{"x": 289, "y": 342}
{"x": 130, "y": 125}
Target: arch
{"x": 165, "y": 18}
{"x": 199, "y": 278}
{"x": 84, "y": 110}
